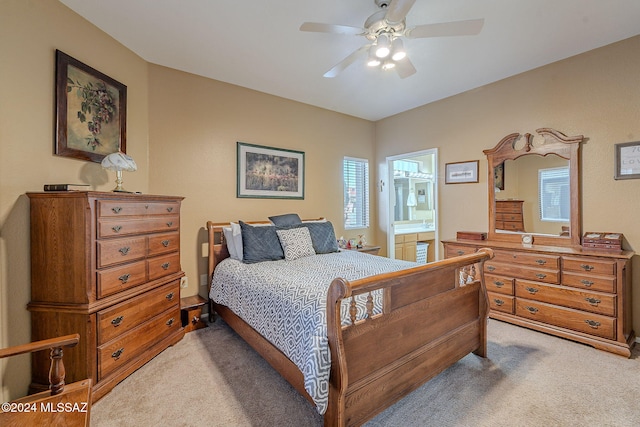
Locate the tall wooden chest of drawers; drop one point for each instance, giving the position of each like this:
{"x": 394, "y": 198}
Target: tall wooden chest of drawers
{"x": 106, "y": 266}
{"x": 580, "y": 294}
{"x": 509, "y": 215}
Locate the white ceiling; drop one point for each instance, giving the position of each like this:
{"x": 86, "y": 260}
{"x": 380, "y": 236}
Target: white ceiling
{"x": 257, "y": 44}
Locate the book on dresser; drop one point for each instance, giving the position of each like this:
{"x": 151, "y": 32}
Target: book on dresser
{"x": 66, "y": 187}
{"x": 104, "y": 265}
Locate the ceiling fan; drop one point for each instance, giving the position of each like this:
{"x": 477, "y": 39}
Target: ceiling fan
{"x": 385, "y": 30}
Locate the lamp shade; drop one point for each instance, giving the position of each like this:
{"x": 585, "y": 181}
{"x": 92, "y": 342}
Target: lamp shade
{"x": 119, "y": 162}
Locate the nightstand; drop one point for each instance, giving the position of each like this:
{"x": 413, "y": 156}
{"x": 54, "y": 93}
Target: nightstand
{"x": 373, "y": 250}
{"x": 191, "y": 312}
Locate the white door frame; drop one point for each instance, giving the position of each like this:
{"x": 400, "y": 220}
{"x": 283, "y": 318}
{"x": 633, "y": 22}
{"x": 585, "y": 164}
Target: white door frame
{"x": 391, "y": 243}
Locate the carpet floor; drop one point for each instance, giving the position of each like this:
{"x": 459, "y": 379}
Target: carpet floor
{"x": 213, "y": 378}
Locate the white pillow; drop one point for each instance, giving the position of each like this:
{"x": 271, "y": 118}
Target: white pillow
{"x": 296, "y": 243}
{"x": 233, "y": 236}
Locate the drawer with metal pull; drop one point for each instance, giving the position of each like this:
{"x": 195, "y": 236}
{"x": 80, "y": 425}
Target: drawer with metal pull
{"x": 114, "y": 227}
{"x": 124, "y": 348}
{"x": 589, "y": 281}
{"x": 123, "y": 317}
{"x": 596, "y": 302}
{"x": 118, "y": 251}
{"x": 519, "y": 271}
{"x": 119, "y": 208}
{"x": 499, "y": 284}
{"x": 163, "y": 243}
{"x": 161, "y": 266}
{"x": 116, "y": 279}
{"x": 549, "y": 262}
{"x": 501, "y": 302}
{"x": 589, "y": 265}
{"x": 457, "y": 250}
{"x": 569, "y": 318}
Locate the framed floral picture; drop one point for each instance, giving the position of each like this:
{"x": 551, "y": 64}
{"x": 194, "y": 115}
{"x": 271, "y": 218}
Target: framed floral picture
{"x": 266, "y": 172}
{"x": 91, "y": 111}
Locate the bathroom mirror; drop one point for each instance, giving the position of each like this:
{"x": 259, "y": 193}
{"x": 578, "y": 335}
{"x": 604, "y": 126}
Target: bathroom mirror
{"x": 534, "y": 188}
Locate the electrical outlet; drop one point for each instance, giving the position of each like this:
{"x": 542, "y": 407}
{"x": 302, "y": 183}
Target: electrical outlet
{"x": 203, "y": 280}
{"x": 184, "y": 282}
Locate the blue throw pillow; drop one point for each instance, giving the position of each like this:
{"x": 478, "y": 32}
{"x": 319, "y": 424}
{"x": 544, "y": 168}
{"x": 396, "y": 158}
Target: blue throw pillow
{"x": 322, "y": 236}
{"x": 260, "y": 243}
{"x": 285, "y": 220}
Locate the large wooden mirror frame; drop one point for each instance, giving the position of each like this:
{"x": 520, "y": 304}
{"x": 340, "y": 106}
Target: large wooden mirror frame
{"x": 516, "y": 145}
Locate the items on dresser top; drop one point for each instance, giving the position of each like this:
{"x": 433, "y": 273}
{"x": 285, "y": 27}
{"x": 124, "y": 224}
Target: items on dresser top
{"x": 105, "y": 266}
{"x": 471, "y": 235}
{"x": 583, "y": 295}
{"x": 611, "y": 241}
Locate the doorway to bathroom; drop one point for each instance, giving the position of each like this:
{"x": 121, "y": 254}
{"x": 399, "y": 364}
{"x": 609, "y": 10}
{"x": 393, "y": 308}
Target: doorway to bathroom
{"x": 413, "y": 206}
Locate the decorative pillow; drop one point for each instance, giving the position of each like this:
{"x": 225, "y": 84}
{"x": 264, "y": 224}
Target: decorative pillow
{"x": 296, "y": 243}
{"x": 322, "y": 236}
{"x": 285, "y": 220}
{"x": 260, "y": 244}
{"x": 233, "y": 236}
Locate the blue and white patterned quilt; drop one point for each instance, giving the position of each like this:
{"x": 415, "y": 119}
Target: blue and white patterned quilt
{"x": 285, "y": 301}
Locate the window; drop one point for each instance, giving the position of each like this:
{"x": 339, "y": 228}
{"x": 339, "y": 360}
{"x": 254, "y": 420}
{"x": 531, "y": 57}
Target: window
{"x": 553, "y": 197}
{"x": 355, "y": 173}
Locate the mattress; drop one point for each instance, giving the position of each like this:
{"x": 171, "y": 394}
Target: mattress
{"x": 285, "y": 301}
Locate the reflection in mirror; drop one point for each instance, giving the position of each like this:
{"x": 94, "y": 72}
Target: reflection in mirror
{"x": 534, "y": 184}
{"x": 535, "y": 195}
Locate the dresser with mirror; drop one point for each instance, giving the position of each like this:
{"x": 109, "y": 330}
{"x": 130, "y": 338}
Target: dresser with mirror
{"x": 541, "y": 277}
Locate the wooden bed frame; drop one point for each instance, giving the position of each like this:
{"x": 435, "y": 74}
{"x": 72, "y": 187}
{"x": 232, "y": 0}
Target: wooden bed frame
{"x": 429, "y": 322}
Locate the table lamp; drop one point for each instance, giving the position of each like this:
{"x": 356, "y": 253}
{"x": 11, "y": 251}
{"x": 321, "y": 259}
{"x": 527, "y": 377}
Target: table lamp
{"x": 119, "y": 162}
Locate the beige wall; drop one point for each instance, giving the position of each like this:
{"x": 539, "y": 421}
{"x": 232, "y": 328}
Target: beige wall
{"x": 595, "y": 94}
{"x": 193, "y": 129}
{"x": 30, "y": 32}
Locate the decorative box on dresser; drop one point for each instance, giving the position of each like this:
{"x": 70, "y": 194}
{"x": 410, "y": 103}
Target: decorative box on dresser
{"x": 105, "y": 266}
{"x": 572, "y": 292}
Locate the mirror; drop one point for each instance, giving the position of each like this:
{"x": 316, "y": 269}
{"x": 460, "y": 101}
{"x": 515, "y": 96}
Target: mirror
{"x": 534, "y": 188}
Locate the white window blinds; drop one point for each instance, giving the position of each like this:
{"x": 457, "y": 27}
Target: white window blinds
{"x": 355, "y": 173}
{"x": 553, "y": 196}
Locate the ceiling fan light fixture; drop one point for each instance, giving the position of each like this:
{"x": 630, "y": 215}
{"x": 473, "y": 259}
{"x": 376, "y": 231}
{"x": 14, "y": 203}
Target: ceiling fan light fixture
{"x": 383, "y": 46}
{"x": 397, "y": 50}
{"x": 373, "y": 60}
{"x": 388, "y": 65}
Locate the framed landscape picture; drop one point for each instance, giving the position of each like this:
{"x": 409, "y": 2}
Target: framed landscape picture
{"x": 266, "y": 172}
{"x": 91, "y": 111}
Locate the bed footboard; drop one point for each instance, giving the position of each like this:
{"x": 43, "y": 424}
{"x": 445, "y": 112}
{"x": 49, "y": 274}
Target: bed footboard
{"x": 432, "y": 316}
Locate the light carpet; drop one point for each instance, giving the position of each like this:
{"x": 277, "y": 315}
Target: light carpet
{"x": 213, "y": 378}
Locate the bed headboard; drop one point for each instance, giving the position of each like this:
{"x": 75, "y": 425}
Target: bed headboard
{"x": 218, "y": 246}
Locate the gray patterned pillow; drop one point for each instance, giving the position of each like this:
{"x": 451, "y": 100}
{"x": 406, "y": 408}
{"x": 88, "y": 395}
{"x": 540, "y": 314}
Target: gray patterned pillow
{"x": 296, "y": 243}
{"x": 260, "y": 244}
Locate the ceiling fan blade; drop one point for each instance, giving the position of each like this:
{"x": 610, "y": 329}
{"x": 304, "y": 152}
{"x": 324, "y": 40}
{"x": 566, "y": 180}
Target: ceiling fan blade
{"x": 405, "y": 68}
{"x": 340, "y": 67}
{"x": 398, "y": 10}
{"x": 317, "y": 27}
{"x": 444, "y": 29}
